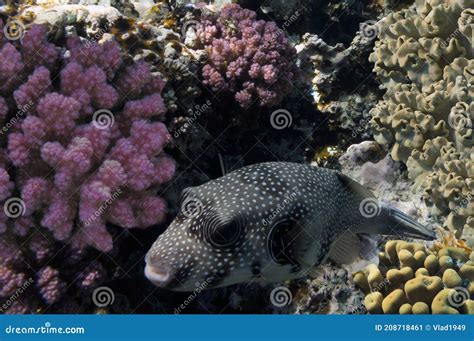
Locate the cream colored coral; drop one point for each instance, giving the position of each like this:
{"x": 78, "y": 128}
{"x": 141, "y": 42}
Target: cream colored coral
{"x": 424, "y": 58}
{"x": 412, "y": 279}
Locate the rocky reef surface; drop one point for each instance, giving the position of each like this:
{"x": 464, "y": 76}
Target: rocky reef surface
{"x": 109, "y": 109}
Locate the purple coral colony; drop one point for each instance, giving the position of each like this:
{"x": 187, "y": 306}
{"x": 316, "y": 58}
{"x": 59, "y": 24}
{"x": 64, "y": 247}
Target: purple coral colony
{"x": 109, "y": 111}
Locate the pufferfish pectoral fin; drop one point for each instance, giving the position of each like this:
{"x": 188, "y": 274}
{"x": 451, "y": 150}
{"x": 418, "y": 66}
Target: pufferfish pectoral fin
{"x": 345, "y": 249}
{"x": 350, "y": 248}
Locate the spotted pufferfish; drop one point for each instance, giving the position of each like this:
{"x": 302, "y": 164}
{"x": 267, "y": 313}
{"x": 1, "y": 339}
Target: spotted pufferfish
{"x": 270, "y": 222}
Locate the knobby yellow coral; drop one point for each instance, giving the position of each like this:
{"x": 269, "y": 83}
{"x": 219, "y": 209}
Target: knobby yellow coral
{"x": 424, "y": 58}
{"x": 413, "y": 279}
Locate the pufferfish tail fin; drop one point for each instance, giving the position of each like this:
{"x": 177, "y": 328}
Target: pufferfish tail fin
{"x": 401, "y": 224}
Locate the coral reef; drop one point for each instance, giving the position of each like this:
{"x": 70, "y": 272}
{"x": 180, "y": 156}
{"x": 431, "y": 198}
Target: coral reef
{"x": 370, "y": 164}
{"x": 62, "y": 15}
{"x": 146, "y": 31}
{"x": 250, "y": 59}
{"x": 84, "y": 126}
{"x": 342, "y": 88}
{"x": 414, "y": 279}
{"x": 425, "y": 63}
{"x": 82, "y": 151}
{"x": 329, "y": 291}
{"x": 286, "y": 11}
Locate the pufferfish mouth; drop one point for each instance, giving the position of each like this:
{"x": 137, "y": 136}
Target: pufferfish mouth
{"x": 159, "y": 275}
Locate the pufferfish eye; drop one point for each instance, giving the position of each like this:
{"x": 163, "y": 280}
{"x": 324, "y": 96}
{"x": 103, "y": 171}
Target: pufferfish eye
{"x": 223, "y": 234}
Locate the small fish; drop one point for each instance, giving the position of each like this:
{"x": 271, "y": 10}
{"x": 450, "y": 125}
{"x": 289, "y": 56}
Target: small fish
{"x": 270, "y": 222}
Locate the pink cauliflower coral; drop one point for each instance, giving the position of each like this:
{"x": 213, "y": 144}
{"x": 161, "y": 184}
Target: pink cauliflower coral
{"x": 250, "y": 58}
{"x": 51, "y": 287}
{"x": 75, "y": 174}
{"x": 10, "y": 280}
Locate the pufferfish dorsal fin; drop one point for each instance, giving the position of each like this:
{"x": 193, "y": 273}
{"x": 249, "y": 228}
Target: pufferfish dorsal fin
{"x": 354, "y": 186}
{"x": 345, "y": 249}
